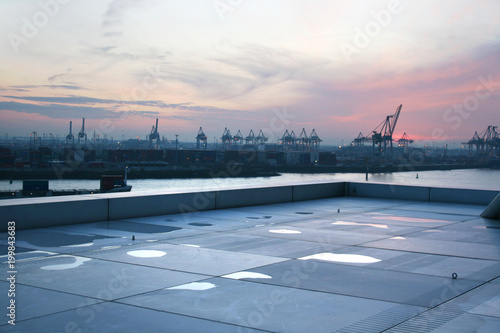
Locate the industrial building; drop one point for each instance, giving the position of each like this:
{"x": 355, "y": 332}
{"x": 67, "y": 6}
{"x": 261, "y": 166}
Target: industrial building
{"x": 376, "y": 150}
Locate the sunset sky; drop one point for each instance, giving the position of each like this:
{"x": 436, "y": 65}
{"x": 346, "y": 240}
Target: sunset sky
{"x": 339, "y": 67}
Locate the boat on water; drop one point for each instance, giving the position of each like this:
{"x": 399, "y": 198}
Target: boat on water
{"x": 114, "y": 183}
{"x": 40, "y": 188}
{"x": 494, "y": 163}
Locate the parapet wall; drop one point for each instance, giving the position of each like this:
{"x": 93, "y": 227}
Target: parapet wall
{"x": 54, "y": 211}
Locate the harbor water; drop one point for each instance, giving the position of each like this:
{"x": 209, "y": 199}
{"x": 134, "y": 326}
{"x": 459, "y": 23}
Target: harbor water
{"x": 487, "y": 179}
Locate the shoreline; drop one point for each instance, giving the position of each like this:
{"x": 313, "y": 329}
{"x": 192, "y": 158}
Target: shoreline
{"x": 223, "y": 171}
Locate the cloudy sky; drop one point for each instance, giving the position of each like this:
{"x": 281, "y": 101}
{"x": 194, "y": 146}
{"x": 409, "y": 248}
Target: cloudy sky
{"x": 339, "y": 67}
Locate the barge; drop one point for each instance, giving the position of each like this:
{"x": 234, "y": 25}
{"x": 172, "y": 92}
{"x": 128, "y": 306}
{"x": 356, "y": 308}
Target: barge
{"x": 40, "y": 188}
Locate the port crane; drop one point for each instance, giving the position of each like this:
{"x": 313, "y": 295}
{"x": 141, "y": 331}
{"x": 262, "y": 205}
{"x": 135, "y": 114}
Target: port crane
{"x": 303, "y": 140}
{"x": 487, "y": 142}
{"x": 154, "y": 135}
{"x": 238, "y": 139}
{"x": 381, "y": 136}
{"x": 405, "y": 140}
{"x": 82, "y": 134}
{"x": 261, "y": 138}
{"x": 288, "y": 140}
{"x": 227, "y": 139}
{"x": 70, "y": 136}
{"x": 201, "y": 140}
{"x": 307, "y": 143}
{"x": 36, "y": 140}
{"x": 314, "y": 140}
{"x": 250, "y": 139}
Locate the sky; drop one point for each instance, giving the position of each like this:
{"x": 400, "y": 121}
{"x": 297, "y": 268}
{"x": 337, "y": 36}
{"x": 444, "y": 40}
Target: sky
{"x": 339, "y": 67}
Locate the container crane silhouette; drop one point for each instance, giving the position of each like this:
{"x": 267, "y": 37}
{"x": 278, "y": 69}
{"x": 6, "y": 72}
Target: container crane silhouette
{"x": 70, "y": 136}
{"x": 154, "y": 135}
{"x": 82, "y": 134}
{"x": 487, "y": 142}
{"x": 381, "y": 136}
{"x": 227, "y": 139}
{"x": 238, "y": 139}
{"x": 201, "y": 140}
{"x": 384, "y": 135}
{"x": 250, "y": 139}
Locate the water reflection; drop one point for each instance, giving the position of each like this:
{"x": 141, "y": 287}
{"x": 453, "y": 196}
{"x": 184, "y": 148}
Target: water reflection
{"x": 195, "y": 286}
{"x": 146, "y": 253}
{"x": 383, "y": 226}
{"x": 78, "y": 262}
{"x": 406, "y": 219}
{"x": 247, "y": 275}
{"x": 284, "y": 231}
{"x": 340, "y": 257}
{"x": 79, "y": 245}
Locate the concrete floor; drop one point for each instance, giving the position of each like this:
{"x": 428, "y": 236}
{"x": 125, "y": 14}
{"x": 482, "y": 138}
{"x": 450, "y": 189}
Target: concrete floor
{"x": 377, "y": 265}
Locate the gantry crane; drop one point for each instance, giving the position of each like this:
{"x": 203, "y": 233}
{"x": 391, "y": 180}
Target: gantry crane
{"x": 238, "y": 139}
{"x": 227, "y": 139}
{"x": 201, "y": 140}
{"x": 381, "y": 136}
{"x": 405, "y": 142}
{"x": 82, "y": 134}
{"x": 314, "y": 140}
{"x": 304, "y": 141}
{"x": 487, "y": 143}
{"x": 384, "y": 136}
{"x": 154, "y": 135}
{"x": 360, "y": 140}
{"x": 70, "y": 136}
{"x": 250, "y": 139}
{"x": 288, "y": 140}
{"x": 261, "y": 138}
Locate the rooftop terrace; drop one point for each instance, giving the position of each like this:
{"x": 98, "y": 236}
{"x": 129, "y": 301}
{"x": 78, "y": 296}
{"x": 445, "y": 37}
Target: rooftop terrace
{"x": 351, "y": 262}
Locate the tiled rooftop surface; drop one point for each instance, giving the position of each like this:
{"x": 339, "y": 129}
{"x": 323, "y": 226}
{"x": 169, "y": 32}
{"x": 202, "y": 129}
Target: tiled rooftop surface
{"x": 343, "y": 264}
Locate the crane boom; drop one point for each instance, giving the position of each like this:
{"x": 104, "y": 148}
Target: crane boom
{"x": 395, "y": 120}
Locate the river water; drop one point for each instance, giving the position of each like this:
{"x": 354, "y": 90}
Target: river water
{"x": 468, "y": 178}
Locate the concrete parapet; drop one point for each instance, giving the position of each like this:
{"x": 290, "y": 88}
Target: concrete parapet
{"x": 318, "y": 191}
{"x": 159, "y": 204}
{"x": 466, "y": 196}
{"x": 49, "y": 212}
{"x": 53, "y": 211}
{"x": 387, "y": 191}
{"x": 253, "y": 196}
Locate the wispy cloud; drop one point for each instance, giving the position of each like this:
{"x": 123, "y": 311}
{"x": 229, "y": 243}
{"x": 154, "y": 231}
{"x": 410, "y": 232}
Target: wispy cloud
{"x": 59, "y": 111}
{"x": 108, "y": 107}
{"x": 52, "y": 86}
{"x": 64, "y": 100}
{"x": 180, "y": 62}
